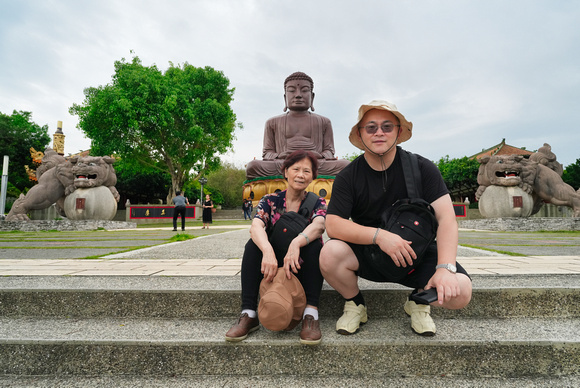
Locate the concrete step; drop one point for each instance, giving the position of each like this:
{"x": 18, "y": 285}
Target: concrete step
{"x": 518, "y": 329}
{"x": 225, "y": 381}
{"x": 518, "y": 347}
{"x": 219, "y": 297}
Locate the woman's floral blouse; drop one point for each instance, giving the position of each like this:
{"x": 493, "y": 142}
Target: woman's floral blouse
{"x": 272, "y": 206}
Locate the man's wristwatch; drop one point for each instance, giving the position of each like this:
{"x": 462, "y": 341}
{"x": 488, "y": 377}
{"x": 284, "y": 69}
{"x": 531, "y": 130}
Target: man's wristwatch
{"x": 450, "y": 267}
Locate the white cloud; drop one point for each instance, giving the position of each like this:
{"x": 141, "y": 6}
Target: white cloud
{"x": 466, "y": 73}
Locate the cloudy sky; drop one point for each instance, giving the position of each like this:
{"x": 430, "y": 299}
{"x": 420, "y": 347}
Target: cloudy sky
{"x": 466, "y": 73}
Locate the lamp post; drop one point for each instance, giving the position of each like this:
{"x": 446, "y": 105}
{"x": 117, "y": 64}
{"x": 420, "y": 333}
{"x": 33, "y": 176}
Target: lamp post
{"x": 202, "y": 181}
{"x": 4, "y": 185}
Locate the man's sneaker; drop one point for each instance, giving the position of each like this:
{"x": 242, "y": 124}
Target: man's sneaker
{"x": 310, "y": 333}
{"x": 351, "y": 319}
{"x": 421, "y": 321}
{"x": 242, "y": 328}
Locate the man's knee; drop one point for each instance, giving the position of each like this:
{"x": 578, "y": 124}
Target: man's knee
{"x": 327, "y": 256}
{"x": 464, "y": 298}
{"x": 333, "y": 253}
{"x": 466, "y": 290}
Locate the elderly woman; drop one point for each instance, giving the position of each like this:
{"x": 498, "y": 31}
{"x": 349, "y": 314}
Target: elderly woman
{"x": 260, "y": 262}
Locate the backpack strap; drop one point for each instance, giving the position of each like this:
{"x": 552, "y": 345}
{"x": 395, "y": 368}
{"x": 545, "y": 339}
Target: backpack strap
{"x": 411, "y": 172}
{"x": 308, "y": 205}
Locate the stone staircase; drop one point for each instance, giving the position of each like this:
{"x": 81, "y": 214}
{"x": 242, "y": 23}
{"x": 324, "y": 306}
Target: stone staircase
{"x": 228, "y": 214}
{"x": 169, "y": 331}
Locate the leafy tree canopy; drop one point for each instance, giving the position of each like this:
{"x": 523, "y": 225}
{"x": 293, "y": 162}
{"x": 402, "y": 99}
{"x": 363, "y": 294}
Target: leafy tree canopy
{"x": 571, "y": 175}
{"x": 228, "y": 182}
{"x": 176, "y": 122}
{"x": 18, "y": 133}
{"x": 460, "y": 175}
{"x": 353, "y": 156}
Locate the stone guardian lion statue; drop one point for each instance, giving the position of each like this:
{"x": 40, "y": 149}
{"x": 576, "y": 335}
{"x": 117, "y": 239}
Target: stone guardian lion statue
{"x": 539, "y": 176}
{"x": 58, "y": 177}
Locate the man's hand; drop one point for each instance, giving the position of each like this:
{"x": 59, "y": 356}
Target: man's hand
{"x": 446, "y": 284}
{"x": 398, "y": 249}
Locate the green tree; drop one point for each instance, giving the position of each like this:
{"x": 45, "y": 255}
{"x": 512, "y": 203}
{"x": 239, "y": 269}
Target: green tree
{"x": 176, "y": 122}
{"x": 460, "y": 176}
{"x": 138, "y": 184}
{"x": 228, "y": 181}
{"x": 353, "y": 156}
{"x": 18, "y": 133}
{"x": 571, "y": 175}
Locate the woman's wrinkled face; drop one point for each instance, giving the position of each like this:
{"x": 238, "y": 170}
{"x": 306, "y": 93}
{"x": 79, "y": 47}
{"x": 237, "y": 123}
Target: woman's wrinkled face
{"x": 299, "y": 175}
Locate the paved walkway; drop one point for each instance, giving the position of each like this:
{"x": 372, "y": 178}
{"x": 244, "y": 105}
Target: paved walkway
{"x": 220, "y": 255}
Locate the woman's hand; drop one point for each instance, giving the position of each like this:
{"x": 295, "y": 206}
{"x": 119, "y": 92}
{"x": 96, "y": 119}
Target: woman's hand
{"x": 269, "y": 265}
{"x": 292, "y": 259}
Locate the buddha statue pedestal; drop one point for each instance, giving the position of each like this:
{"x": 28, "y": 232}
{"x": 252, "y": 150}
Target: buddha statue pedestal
{"x": 255, "y": 189}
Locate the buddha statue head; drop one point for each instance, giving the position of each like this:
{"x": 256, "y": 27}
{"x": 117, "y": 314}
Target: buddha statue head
{"x": 298, "y": 92}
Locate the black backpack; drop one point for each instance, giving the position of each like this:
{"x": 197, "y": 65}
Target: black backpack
{"x": 289, "y": 225}
{"x": 412, "y": 218}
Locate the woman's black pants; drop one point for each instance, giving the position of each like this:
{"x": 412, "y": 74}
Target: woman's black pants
{"x": 309, "y": 274}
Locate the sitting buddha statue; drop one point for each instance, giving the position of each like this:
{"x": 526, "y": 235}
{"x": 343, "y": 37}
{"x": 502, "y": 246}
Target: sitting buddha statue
{"x": 297, "y": 128}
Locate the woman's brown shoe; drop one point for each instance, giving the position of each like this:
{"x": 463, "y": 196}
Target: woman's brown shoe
{"x": 242, "y": 328}
{"x": 310, "y": 333}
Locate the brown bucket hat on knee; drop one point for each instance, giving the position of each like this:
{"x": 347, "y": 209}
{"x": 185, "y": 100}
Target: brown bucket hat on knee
{"x": 282, "y": 302}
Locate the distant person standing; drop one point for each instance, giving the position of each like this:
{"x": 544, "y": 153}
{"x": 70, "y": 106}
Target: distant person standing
{"x": 180, "y": 203}
{"x": 207, "y": 210}
{"x": 247, "y": 207}
{"x": 244, "y": 208}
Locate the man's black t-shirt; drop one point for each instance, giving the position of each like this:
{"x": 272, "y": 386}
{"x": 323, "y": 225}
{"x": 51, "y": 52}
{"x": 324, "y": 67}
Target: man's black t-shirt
{"x": 358, "y": 191}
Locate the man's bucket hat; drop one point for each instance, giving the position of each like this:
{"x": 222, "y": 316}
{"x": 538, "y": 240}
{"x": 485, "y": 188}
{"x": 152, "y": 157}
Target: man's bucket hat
{"x": 282, "y": 302}
{"x": 406, "y": 126}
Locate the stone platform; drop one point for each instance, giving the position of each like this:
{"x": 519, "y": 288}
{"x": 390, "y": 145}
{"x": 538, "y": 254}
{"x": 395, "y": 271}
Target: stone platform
{"x": 64, "y": 225}
{"x": 528, "y": 224}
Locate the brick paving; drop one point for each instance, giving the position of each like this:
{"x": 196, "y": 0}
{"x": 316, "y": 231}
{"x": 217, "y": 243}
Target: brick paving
{"x": 219, "y": 253}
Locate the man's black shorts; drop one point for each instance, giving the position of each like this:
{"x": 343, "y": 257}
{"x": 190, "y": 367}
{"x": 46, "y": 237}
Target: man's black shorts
{"x": 416, "y": 279}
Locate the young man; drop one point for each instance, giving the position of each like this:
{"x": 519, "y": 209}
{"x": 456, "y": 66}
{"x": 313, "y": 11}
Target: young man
{"x": 180, "y": 203}
{"x": 360, "y": 194}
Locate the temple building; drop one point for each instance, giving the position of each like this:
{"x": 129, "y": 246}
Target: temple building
{"x": 502, "y": 149}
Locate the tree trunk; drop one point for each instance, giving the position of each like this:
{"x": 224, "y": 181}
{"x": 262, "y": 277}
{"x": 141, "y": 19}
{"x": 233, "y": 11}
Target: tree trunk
{"x": 176, "y": 184}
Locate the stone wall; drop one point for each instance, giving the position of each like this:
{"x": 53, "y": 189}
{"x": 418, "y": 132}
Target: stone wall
{"x": 550, "y": 210}
{"x": 64, "y": 225}
{"x": 522, "y": 224}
